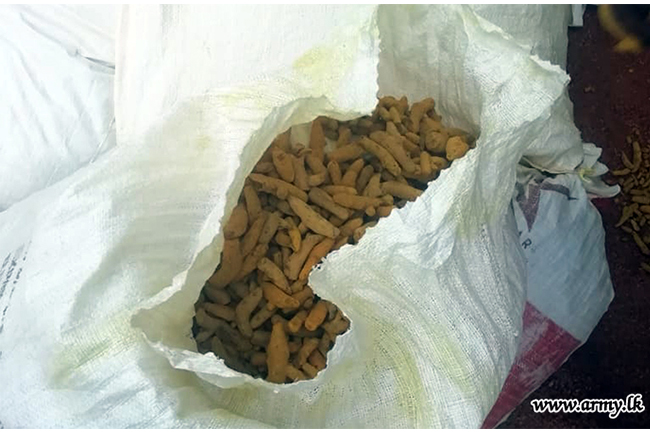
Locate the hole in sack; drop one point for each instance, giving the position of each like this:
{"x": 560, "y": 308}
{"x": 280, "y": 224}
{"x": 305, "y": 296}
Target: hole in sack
{"x": 306, "y": 198}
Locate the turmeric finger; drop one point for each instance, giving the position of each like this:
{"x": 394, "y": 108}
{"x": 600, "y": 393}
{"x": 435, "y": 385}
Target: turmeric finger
{"x": 359, "y": 232}
{"x": 336, "y": 221}
{"x": 303, "y": 295}
{"x": 315, "y": 256}
{"x": 237, "y": 223}
{"x": 295, "y": 237}
{"x": 346, "y": 153}
{"x": 276, "y": 257}
{"x": 364, "y": 176}
{"x": 295, "y": 343}
{"x": 426, "y": 167}
{"x": 357, "y": 202}
{"x": 337, "y": 326}
{"x": 413, "y": 138}
{"x": 218, "y": 348}
{"x": 317, "y": 360}
{"x": 373, "y": 188}
{"x": 334, "y": 172}
{"x": 203, "y": 336}
{"x": 386, "y": 159}
{"x": 262, "y": 316}
{"x": 274, "y": 273}
{"x": 394, "y": 147}
{"x": 283, "y": 165}
{"x": 309, "y": 370}
{"x": 277, "y": 355}
{"x": 436, "y": 141}
{"x": 317, "y": 140}
{"x": 283, "y": 239}
{"x": 230, "y": 266}
{"x": 263, "y": 167}
{"x": 283, "y": 207}
{"x": 296, "y": 321}
{"x": 301, "y": 180}
{"x": 277, "y": 297}
{"x": 324, "y": 200}
{"x": 316, "y": 316}
{"x": 315, "y": 164}
{"x": 317, "y": 179}
{"x": 400, "y": 190}
{"x": 311, "y": 219}
{"x": 350, "y": 226}
{"x": 260, "y": 338}
{"x": 294, "y": 374}
{"x": 344, "y": 136}
{"x": 383, "y": 113}
{"x": 636, "y": 158}
{"x": 384, "y": 211}
{"x": 205, "y": 321}
{"x": 277, "y": 187}
{"x": 279, "y": 319}
{"x": 308, "y": 346}
{"x": 250, "y": 261}
{"x": 427, "y": 124}
{"x": 456, "y": 148}
{"x": 324, "y": 344}
{"x": 626, "y": 161}
{"x": 217, "y": 295}
{"x": 258, "y": 359}
{"x": 220, "y": 311}
{"x": 340, "y": 241}
{"x": 395, "y": 115}
{"x": 253, "y": 205}
{"x": 439, "y": 163}
{"x": 269, "y": 229}
{"x": 253, "y": 234}
{"x": 244, "y": 310}
{"x": 418, "y": 110}
{"x": 339, "y": 189}
{"x": 282, "y": 141}
{"x": 351, "y": 174}
{"x": 628, "y": 211}
{"x": 332, "y": 310}
{"x": 238, "y": 289}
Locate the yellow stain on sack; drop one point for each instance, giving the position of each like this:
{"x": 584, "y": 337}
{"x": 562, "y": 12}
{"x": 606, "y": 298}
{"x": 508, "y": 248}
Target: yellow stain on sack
{"x": 317, "y": 63}
{"x": 391, "y": 354}
{"x": 203, "y": 142}
{"x": 74, "y": 363}
{"x": 410, "y": 387}
{"x": 325, "y": 66}
{"x": 410, "y": 391}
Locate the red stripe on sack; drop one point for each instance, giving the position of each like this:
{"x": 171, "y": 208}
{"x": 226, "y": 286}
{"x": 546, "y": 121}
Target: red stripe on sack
{"x": 543, "y": 348}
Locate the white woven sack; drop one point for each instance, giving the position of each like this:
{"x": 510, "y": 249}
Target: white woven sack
{"x": 96, "y": 309}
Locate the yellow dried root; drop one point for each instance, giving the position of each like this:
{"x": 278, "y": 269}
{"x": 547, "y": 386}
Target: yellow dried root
{"x": 256, "y": 312}
{"x": 311, "y": 219}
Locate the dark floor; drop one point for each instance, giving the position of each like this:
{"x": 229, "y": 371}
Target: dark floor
{"x": 611, "y": 96}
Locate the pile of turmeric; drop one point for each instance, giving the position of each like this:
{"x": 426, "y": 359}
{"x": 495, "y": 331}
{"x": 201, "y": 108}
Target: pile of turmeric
{"x": 634, "y": 201}
{"x": 257, "y": 311}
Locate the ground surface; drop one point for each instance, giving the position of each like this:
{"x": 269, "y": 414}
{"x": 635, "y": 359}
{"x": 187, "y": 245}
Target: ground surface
{"x": 611, "y": 96}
